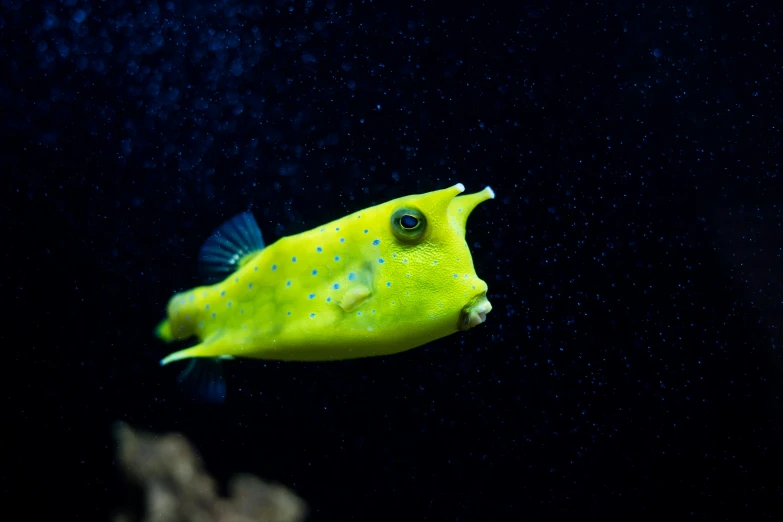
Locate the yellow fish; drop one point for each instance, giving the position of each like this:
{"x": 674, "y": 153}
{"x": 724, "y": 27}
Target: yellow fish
{"x": 380, "y": 281}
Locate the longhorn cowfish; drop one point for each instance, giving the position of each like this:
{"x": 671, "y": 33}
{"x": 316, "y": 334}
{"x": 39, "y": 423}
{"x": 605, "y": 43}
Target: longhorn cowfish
{"x": 380, "y": 281}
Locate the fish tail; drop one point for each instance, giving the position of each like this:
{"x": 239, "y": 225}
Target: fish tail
{"x": 163, "y": 331}
{"x": 182, "y": 316}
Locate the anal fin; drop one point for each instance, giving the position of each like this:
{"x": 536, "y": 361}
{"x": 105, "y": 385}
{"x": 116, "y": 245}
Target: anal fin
{"x": 203, "y": 381}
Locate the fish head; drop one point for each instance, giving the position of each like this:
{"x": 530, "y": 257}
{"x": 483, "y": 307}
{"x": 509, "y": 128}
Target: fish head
{"x": 432, "y": 266}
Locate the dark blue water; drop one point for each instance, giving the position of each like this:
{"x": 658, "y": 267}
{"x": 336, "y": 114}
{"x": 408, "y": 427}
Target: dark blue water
{"x": 630, "y": 368}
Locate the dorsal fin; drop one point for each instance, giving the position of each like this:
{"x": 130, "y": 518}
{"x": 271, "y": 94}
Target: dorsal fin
{"x": 229, "y": 247}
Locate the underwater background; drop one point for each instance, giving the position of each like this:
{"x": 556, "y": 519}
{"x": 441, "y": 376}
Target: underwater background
{"x": 630, "y": 368}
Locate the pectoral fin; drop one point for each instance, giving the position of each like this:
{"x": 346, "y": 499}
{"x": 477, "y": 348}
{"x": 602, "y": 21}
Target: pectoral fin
{"x": 358, "y": 288}
{"x": 354, "y": 297}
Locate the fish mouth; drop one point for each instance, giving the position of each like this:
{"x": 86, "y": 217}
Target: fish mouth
{"x": 474, "y": 313}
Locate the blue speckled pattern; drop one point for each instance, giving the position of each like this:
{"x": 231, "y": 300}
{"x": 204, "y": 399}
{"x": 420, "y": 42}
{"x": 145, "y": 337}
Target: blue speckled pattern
{"x": 632, "y": 370}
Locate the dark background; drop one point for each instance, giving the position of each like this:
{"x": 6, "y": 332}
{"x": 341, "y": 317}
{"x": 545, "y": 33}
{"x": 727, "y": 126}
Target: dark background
{"x": 630, "y": 368}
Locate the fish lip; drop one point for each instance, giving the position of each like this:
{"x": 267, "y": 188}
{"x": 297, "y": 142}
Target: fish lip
{"x": 474, "y": 313}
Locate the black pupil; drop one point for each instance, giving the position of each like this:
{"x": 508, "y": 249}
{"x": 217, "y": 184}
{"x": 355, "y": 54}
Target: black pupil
{"x": 408, "y": 221}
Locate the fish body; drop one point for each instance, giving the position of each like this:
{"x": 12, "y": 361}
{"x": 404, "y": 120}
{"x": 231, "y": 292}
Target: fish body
{"x": 379, "y": 281}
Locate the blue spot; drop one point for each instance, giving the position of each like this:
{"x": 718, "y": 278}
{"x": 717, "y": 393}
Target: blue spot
{"x": 200, "y": 324}
{"x": 342, "y": 240}
{"x": 394, "y": 255}
{"x": 404, "y": 260}
{"x": 365, "y": 231}
{"x": 229, "y": 303}
{"x": 336, "y": 286}
{"x": 312, "y": 296}
{"x": 336, "y": 229}
{"x": 435, "y": 262}
{"x": 79, "y": 16}
{"x": 206, "y": 307}
{"x": 657, "y": 53}
{"x": 213, "y": 315}
{"x": 288, "y": 283}
{"x": 455, "y": 276}
{"x": 223, "y": 293}
{"x": 249, "y": 286}
{"x": 373, "y": 311}
{"x": 242, "y": 311}
{"x": 319, "y": 249}
{"x": 312, "y": 315}
{"x": 315, "y": 272}
{"x": 289, "y": 313}
{"x": 255, "y": 268}
{"x": 358, "y": 313}
{"x": 274, "y": 267}
{"x": 328, "y": 299}
{"x": 380, "y": 260}
{"x": 293, "y": 259}
{"x": 376, "y": 242}
{"x": 357, "y": 217}
{"x": 388, "y": 283}
{"x": 351, "y": 276}
{"x": 336, "y": 258}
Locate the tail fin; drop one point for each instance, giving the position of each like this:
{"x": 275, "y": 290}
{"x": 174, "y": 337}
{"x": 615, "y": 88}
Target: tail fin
{"x": 163, "y": 331}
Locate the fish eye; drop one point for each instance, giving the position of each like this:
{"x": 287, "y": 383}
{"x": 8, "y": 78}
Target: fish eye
{"x": 408, "y": 224}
